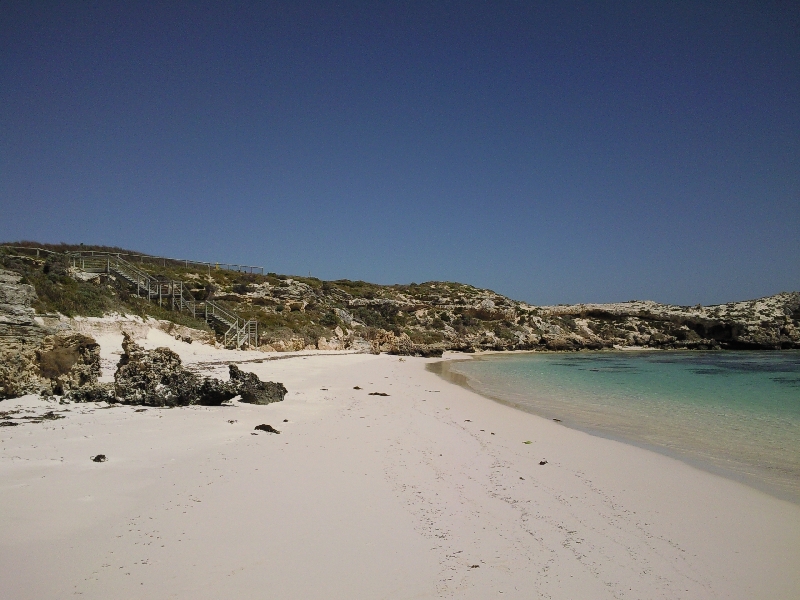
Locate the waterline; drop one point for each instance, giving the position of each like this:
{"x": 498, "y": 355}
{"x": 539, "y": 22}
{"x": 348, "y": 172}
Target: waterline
{"x": 733, "y": 413}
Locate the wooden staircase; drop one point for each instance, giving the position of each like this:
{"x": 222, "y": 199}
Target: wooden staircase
{"x": 236, "y": 332}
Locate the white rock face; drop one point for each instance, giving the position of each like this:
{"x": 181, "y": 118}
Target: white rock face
{"x": 324, "y": 344}
{"x": 485, "y": 305}
{"x": 345, "y": 316}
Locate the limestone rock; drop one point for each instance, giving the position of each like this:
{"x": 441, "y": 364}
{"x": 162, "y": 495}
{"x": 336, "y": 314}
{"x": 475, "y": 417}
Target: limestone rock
{"x": 69, "y": 361}
{"x": 35, "y": 359}
{"x": 255, "y": 391}
{"x": 158, "y": 378}
{"x": 344, "y": 315}
{"x": 153, "y": 378}
{"x": 213, "y": 392}
{"x": 96, "y": 392}
{"x": 20, "y": 336}
{"x": 333, "y": 344}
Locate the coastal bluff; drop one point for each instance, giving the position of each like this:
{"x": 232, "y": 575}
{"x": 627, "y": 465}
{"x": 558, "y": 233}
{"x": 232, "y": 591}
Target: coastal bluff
{"x": 295, "y": 313}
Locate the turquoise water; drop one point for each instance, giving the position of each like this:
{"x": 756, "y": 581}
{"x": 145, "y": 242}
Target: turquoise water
{"x": 733, "y": 413}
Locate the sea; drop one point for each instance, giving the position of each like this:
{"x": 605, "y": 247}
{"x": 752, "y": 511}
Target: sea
{"x": 734, "y": 413}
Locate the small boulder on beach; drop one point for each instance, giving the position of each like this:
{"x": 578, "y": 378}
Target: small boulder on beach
{"x": 267, "y": 428}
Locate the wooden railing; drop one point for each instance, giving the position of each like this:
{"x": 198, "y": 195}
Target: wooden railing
{"x": 236, "y": 332}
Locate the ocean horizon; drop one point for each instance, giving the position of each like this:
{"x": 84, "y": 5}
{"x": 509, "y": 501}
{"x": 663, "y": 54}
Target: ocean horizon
{"x": 733, "y": 413}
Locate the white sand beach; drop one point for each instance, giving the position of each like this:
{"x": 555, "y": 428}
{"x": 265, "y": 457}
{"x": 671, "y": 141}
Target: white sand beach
{"x": 429, "y": 492}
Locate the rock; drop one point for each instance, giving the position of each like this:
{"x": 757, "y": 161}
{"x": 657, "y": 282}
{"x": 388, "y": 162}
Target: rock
{"x": 96, "y": 392}
{"x": 51, "y": 416}
{"x": 487, "y": 305}
{"x": 69, "y": 361}
{"x": 377, "y": 394}
{"x": 542, "y": 462}
{"x": 20, "y": 337}
{"x": 324, "y": 344}
{"x": 213, "y": 392}
{"x": 345, "y": 317}
{"x": 153, "y": 378}
{"x": 289, "y": 345}
{"x": 35, "y": 359}
{"x": 99, "y": 458}
{"x": 253, "y": 390}
{"x": 267, "y": 428}
{"x": 158, "y": 378}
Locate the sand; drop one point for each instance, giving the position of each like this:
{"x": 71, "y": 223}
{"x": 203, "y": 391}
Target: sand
{"x": 429, "y": 492}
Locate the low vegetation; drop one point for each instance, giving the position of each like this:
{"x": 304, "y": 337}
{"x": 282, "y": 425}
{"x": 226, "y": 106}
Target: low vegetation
{"x": 295, "y": 312}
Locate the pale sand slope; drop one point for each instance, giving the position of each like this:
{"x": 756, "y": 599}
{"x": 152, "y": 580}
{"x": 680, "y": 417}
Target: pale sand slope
{"x": 370, "y": 497}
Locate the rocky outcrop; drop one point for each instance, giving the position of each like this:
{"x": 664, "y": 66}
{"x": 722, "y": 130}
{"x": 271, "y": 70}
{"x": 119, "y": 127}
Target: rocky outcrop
{"x": 153, "y": 378}
{"x": 298, "y": 313}
{"x": 391, "y": 343}
{"x": 428, "y": 318}
{"x": 93, "y": 392}
{"x": 253, "y": 390}
{"x": 35, "y": 359}
{"x": 158, "y": 378}
{"x": 20, "y": 337}
{"x": 69, "y": 361}
{"x": 769, "y": 323}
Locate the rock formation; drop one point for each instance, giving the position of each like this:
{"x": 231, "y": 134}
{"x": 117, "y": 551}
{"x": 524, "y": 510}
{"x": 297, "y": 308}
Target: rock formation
{"x": 303, "y": 313}
{"x": 158, "y": 378}
{"x": 253, "y": 390}
{"x": 35, "y": 359}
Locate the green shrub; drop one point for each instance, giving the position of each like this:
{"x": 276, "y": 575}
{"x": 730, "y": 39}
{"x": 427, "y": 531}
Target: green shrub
{"x": 329, "y": 320}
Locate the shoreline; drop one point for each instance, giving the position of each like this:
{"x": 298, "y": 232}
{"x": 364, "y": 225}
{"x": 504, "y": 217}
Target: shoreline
{"x": 441, "y": 369}
{"x": 429, "y": 492}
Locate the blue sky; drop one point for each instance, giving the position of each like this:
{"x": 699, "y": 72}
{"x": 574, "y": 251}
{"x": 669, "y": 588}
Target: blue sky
{"x": 554, "y": 152}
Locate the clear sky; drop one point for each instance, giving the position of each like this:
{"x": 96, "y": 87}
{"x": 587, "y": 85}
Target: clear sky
{"x": 554, "y": 152}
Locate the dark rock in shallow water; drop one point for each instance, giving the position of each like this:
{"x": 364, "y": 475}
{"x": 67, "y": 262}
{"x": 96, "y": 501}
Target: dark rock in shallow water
{"x": 255, "y": 391}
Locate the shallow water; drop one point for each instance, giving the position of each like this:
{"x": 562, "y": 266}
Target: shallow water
{"x": 733, "y": 413}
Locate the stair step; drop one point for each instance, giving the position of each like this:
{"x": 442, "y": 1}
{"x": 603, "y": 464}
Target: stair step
{"x": 151, "y": 287}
